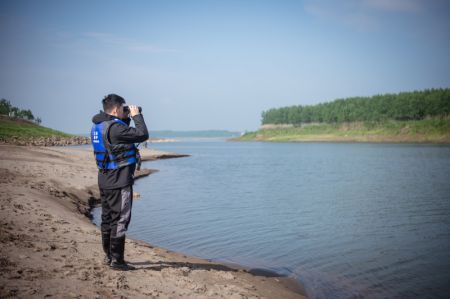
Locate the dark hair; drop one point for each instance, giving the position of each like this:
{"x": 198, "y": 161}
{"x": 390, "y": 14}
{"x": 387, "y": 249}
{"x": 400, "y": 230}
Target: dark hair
{"x": 111, "y": 101}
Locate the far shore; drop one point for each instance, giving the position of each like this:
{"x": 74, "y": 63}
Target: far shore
{"x": 429, "y": 130}
{"x": 349, "y": 139}
{"x": 51, "y": 249}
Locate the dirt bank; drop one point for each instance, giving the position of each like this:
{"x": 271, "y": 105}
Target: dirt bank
{"x": 51, "y": 249}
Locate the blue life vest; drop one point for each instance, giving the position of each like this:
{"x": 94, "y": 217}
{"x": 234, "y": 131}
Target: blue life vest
{"x": 107, "y": 155}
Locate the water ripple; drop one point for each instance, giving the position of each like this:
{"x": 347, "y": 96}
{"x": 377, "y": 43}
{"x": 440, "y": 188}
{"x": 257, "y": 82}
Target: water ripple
{"x": 347, "y": 220}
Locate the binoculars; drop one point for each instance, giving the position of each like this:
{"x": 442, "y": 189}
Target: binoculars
{"x": 126, "y": 109}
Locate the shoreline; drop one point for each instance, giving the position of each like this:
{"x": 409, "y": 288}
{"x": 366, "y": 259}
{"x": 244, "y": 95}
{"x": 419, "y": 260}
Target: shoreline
{"x": 50, "y": 248}
{"x": 344, "y": 139}
{"x": 427, "y": 130}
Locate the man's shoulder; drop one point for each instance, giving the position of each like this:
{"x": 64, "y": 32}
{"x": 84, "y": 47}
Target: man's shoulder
{"x": 117, "y": 125}
{"x": 117, "y": 130}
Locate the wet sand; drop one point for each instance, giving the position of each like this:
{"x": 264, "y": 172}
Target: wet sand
{"x": 49, "y": 248}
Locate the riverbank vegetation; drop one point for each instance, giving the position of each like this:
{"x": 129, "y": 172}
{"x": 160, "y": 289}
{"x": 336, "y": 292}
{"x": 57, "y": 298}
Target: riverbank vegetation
{"x": 419, "y": 116}
{"x": 7, "y": 109}
{"x": 23, "y": 132}
{"x": 22, "y": 129}
{"x": 434, "y": 130}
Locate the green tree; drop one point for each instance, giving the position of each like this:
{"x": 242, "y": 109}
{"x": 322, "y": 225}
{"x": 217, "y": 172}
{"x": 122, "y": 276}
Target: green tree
{"x": 5, "y": 106}
{"x": 414, "y": 105}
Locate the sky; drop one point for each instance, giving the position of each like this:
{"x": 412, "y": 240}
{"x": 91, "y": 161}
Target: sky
{"x": 199, "y": 65}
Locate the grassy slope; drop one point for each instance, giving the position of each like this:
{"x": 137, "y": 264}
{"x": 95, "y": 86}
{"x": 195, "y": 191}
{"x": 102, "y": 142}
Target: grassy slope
{"x": 427, "y": 130}
{"x": 20, "y": 129}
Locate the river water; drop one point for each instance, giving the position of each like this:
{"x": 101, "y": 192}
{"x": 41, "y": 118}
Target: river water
{"x": 348, "y": 220}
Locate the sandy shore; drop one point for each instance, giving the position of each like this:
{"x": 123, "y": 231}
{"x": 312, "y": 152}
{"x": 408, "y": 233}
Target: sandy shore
{"x": 49, "y": 248}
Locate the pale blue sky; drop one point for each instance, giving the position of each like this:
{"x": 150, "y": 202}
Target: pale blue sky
{"x": 196, "y": 65}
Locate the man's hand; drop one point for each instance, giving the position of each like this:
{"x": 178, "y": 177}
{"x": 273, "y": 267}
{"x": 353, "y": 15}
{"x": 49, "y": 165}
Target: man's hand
{"x": 134, "y": 110}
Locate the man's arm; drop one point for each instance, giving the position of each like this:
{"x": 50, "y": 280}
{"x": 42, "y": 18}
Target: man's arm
{"x": 125, "y": 134}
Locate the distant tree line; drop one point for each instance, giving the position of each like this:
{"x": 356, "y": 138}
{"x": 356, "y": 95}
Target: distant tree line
{"x": 414, "y": 105}
{"x": 7, "y": 109}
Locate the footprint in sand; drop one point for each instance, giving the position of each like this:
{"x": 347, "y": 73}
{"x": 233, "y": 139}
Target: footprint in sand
{"x": 121, "y": 283}
{"x": 19, "y": 206}
{"x": 84, "y": 275}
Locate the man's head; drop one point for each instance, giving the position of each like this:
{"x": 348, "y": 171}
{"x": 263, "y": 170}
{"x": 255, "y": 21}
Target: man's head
{"x": 113, "y": 105}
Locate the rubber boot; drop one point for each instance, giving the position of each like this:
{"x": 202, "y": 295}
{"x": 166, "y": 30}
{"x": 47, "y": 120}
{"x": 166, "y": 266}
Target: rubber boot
{"x": 106, "y": 242}
{"x": 117, "y": 253}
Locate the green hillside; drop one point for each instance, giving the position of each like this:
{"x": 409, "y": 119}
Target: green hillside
{"x": 19, "y": 129}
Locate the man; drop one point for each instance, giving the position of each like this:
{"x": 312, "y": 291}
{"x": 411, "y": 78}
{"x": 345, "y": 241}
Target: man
{"x": 116, "y": 156}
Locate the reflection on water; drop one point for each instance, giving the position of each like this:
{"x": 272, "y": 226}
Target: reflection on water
{"x": 347, "y": 220}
